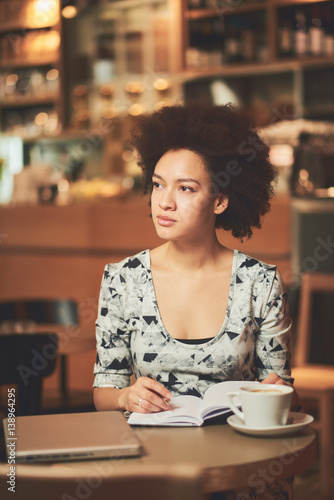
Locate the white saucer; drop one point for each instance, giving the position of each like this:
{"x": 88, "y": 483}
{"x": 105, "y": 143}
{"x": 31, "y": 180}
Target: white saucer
{"x": 299, "y": 420}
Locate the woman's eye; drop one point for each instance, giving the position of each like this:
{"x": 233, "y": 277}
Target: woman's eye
{"x": 156, "y": 184}
{"x": 187, "y": 189}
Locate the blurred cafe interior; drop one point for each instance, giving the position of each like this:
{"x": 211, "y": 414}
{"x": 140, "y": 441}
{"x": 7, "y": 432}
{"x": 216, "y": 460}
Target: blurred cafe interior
{"x": 73, "y": 75}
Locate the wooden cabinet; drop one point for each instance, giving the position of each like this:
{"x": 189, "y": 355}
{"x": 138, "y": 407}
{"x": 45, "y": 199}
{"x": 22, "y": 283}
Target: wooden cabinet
{"x": 273, "y": 57}
{"x": 120, "y": 60}
{"x": 30, "y": 68}
{"x": 267, "y": 56}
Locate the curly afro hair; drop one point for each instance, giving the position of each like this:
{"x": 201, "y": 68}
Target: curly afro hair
{"x": 235, "y": 157}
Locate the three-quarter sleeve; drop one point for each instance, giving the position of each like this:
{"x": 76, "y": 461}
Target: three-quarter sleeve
{"x": 272, "y": 345}
{"x": 113, "y": 366}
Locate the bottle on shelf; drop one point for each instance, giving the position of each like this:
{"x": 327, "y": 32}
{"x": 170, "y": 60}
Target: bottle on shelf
{"x": 301, "y": 34}
{"x": 307, "y": 171}
{"x": 207, "y": 41}
{"x": 134, "y": 52}
{"x": 192, "y": 52}
{"x": 23, "y": 83}
{"x": 248, "y": 38}
{"x": 218, "y": 29}
{"x": 317, "y": 32}
{"x": 28, "y": 84}
{"x": 328, "y": 22}
{"x": 104, "y": 64}
{"x": 31, "y": 122}
{"x": 261, "y": 41}
{"x": 80, "y": 117}
{"x": 285, "y": 32}
{"x": 232, "y": 41}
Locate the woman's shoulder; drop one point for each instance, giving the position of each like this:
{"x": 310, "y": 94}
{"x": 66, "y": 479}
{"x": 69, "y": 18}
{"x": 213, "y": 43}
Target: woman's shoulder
{"x": 137, "y": 262}
{"x": 250, "y": 268}
{"x": 262, "y": 279}
{"x": 245, "y": 261}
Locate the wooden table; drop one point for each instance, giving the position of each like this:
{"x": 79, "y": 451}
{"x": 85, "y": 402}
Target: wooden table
{"x": 228, "y": 459}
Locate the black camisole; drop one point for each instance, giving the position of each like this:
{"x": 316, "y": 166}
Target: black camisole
{"x": 194, "y": 341}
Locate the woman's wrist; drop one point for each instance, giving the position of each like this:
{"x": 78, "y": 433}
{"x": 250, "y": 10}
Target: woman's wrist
{"x": 121, "y": 399}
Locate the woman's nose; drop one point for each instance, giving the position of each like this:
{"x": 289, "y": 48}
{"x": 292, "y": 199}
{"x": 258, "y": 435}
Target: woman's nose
{"x": 167, "y": 202}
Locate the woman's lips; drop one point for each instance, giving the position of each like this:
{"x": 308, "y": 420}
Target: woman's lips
{"x": 165, "y": 221}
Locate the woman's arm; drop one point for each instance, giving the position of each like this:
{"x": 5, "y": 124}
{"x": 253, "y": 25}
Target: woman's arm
{"x": 273, "y": 378}
{"x": 113, "y": 367}
{"x": 106, "y": 398}
{"x": 273, "y": 340}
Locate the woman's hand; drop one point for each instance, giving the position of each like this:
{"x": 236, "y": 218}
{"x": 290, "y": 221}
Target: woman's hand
{"x": 273, "y": 378}
{"x": 144, "y": 396}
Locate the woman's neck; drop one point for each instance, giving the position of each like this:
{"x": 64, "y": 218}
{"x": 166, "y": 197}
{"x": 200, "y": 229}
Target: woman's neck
{"x": 190, "y": 257}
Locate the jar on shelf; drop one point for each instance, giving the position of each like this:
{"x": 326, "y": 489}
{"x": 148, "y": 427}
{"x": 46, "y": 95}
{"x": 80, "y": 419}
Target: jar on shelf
{"x": 307, "y": 171}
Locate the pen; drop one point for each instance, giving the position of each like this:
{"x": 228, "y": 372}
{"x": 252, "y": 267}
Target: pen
{"x": 153, "y": 378}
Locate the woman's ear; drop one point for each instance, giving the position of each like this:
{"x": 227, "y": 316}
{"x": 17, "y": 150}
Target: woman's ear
{"x": 221, "y": 204}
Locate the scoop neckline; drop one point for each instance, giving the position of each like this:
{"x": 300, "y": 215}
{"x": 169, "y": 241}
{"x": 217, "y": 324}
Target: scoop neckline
{"x": 227, "y": 312}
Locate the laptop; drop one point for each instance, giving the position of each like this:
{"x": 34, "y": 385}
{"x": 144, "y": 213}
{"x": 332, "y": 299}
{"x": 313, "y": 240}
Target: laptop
{"x": 71, "y": 436}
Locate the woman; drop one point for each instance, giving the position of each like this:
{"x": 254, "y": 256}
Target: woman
{"x": 192, "y": 312}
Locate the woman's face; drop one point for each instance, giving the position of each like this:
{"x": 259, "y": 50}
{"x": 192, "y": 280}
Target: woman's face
{"x": 183, "y": 202}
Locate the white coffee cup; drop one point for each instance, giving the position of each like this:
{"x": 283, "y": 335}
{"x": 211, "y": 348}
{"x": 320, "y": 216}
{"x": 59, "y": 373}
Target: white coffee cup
{"x": 263, "y": 406}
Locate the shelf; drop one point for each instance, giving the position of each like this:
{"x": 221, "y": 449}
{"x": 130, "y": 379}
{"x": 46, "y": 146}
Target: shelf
{"x": 226, "y": 10}
{"x": 323, "y": 110}
{"x": 22, "y": 101}
{"x": 31, "y": 45}
{"x": 306, "y": 62}
{"x": 286, "y": 3}
{"x": 248, "y": 69}
{"x": 5, "y": 29}
{"x": 130, "y": 4}
{"x": 26, "y": 63}
{"x": 66, "y": 135}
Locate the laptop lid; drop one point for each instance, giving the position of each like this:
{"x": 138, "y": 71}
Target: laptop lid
{"x": 71, "y": 436}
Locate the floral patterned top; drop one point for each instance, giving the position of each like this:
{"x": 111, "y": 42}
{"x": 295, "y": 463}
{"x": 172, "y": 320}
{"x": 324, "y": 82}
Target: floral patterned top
{"x": 252, "y": 342}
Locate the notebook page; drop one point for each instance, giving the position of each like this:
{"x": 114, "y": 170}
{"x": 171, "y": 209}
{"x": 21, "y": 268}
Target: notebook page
{"x": 182, "y": 409}
{"x": 215, "y": 396}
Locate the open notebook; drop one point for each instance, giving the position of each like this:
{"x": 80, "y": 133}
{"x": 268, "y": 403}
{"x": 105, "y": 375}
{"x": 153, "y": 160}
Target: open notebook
{"x": 191, "y": 410}
{"x": 71, "y": 436}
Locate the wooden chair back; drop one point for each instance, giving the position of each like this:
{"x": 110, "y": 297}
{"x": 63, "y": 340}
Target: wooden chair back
{"x": 20, "y": 312}
{"x": 310, "y": 284}
{"x": 25, "y": 359}
{"x": 48, "y": 311}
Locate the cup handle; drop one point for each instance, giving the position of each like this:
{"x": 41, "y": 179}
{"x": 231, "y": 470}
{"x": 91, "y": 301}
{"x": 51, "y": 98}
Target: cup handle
{"x": 230, "y": 396}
